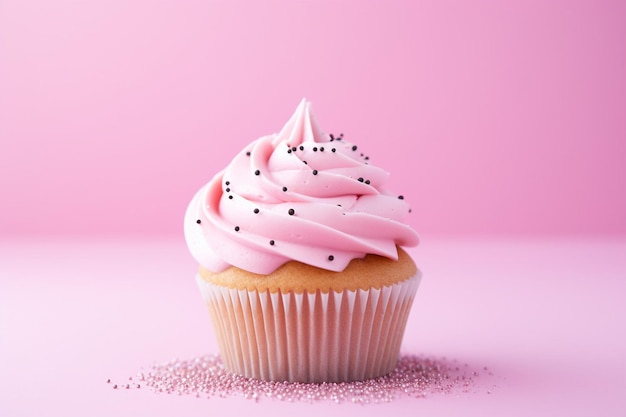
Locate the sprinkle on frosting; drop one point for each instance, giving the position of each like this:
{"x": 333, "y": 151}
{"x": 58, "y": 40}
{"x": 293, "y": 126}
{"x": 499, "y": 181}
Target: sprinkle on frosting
{"x": 346, "y": 211}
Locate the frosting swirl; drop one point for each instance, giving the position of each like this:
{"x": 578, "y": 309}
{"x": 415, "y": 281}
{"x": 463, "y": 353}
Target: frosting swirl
{"x": 298, "y": 195}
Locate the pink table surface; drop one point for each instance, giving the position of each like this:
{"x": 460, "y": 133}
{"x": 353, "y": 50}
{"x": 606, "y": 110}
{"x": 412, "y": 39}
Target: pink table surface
{"x": 544, "y": 315}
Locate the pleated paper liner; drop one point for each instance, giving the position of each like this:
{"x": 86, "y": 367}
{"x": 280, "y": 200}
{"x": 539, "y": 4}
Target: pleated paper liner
{"x": 310, "y": 337}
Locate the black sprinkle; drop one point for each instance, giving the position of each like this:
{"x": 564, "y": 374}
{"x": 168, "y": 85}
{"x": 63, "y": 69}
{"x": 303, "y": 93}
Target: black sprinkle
{"x": 354, "y": 147}
{"x": 334, "y": 150}
{"x": 256, "y": 211}
{"x": 288, "y": 150}
{"x": 236, "y": 228}
{"x": 294, "y": 149}
{"x": 315, "y": 149}
{"x": 361, "y": 153}
{"x": 322, "y": 149}
{"x": 367, "y": 158}
{"x": 257, "y": 172}
{"x": 198, "y": 221}
{"x": 401, "y": 197}
{"x": 272, "y": 242}
{"x": 230, "y": 197}
{"x": 360, "y": 179}
{"x": 315, "y": 172}
{"x": 284, "y": 188}
{"x": 367, "y": 182}
{"x": 332, "y": 138}
{"x": 305, "y": 162}
{"x": 291, "y": 212}
{"x": 410, "y": 210}
{"x": 248, "y": 153}
{"x": 331, "y": 257}
{"x": 227, "y": 189}
{"x": 227, "y": 183}
{"x": 301, "y": 147}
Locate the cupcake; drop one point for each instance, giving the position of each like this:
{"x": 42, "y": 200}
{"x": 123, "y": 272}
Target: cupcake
{"x": 301, "y": 260}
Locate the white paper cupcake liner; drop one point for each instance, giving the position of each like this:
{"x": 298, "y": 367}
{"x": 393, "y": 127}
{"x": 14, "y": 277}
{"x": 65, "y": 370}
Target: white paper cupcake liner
{"x": 310, "y": 337}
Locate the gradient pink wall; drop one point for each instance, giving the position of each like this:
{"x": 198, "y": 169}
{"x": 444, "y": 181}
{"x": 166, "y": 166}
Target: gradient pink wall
{"x": 493, "y": 117}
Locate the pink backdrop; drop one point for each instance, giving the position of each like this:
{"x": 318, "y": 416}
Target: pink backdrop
{"x": 493, "y": 117}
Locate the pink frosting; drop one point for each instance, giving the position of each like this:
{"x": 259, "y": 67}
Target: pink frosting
{"x": 298, "y": 195}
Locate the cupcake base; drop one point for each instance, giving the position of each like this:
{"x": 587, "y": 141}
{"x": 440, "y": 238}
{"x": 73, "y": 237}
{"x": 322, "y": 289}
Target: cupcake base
{"x": 332, "y": 336}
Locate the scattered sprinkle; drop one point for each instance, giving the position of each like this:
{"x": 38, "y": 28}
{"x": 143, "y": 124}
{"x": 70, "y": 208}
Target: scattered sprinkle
{"x": 414, "y": 377}
{"x": 315, "y": 172}
{"x": 236, "y": 228}
{"x": 284, "y": 188}
{"x": 321, "y": 149}
{"x": 360, "y": 179}
{"x": 291, "y": 212}
{"x": 227, "y": 189}
{"x": 315, "y": 149}
{"x": 354, "y": 147}
{"x": 257, "y": 172}
{"x": 227, "y": 183}
{"x": 256, "y": 211}
{"x": 401, "y": 197}
{"x": 198, "y": 221}
{"x": 248, "y": 153}
{"x": 301, "y": 147}
{"x": 367, "y": 182}
{"x": 272, "y": 242}
{"x": 331, "y": 258}
{"x": 334, "y": 150}
{"x": 230, "y": 197}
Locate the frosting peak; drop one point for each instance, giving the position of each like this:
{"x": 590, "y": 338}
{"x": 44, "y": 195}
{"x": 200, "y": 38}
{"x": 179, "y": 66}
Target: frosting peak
{"x": 299, "y": 195}
{"x": 301, "y": 127}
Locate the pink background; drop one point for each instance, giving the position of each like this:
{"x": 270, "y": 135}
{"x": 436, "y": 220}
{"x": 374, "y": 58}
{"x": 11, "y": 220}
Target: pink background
{"x": 493, "y": 117}
{"x": 500, "y": 119}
